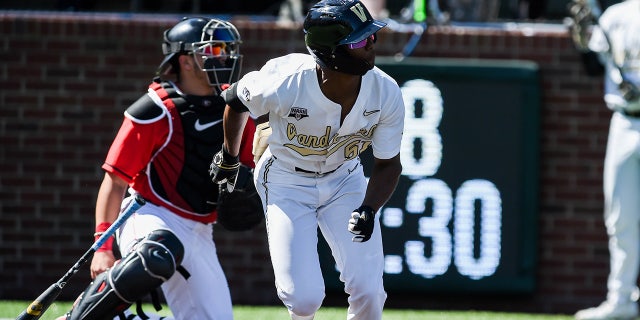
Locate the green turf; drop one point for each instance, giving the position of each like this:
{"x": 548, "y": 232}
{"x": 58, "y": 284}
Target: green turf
{"x": 10, "y": 309}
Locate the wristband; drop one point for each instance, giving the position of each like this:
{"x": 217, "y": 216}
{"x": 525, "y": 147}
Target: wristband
{"x": 100, "y": 229}
{"x": 366, "y": 208}
{"x": 228, "y": 158}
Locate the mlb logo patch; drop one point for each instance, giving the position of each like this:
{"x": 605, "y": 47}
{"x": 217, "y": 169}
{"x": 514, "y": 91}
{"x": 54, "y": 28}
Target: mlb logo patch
{"x": 246, "y": 94}
{"x": 298, "y": 113}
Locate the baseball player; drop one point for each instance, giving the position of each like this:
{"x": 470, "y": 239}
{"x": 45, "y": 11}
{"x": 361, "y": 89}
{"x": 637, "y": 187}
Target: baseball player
{"x": 324, "y": 109}
{"x": 615, "y": 44}
{"x": 162, "y": 152}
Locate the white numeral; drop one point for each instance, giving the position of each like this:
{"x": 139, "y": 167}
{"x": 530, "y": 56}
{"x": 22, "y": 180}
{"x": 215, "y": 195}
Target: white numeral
{"x": 421, "y": 150}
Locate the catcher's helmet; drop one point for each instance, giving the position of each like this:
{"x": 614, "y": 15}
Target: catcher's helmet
{"x": 331, "y": 24}
{"x": 214, "y": 43}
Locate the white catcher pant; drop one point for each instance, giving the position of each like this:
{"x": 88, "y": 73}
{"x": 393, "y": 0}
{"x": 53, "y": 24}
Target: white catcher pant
{"x": 297, "y": 204}
{"x": 622, "y": 206}
{"x": 205, "y": 295}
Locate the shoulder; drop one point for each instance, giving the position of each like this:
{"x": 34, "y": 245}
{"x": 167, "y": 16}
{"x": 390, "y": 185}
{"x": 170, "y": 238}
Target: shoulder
{"x": 275, "y": 72}
{"x": 149, "y": 108}
{"x": 381, "y": 82}
{"x": 382, "y": 77}
{"x": 292, "y": 61}
{"x": 388, "y": 91}
{"x": 619, "y": 10}
{"x": 288, "y": 65}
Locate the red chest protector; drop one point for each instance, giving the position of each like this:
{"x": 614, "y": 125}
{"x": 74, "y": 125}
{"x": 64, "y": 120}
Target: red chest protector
{"x": 177, "y": 175}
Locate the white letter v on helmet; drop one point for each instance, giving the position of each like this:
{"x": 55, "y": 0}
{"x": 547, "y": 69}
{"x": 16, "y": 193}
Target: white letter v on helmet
{"x": 359, "y": 11}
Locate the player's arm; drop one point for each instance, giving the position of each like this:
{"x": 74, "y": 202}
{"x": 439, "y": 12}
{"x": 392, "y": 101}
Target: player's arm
{"x": 110, "y": 196}
{"x": 141, "y": 131}
{"x": 382, "y": 183}
{"x": 592, "y": 61}
{"x": 592, "y": 65}
{"x": 225, "y": 164}
{"x": 386, "y": 142}
{"x": 233, "y": 124}
{"x": 579, "y": 22}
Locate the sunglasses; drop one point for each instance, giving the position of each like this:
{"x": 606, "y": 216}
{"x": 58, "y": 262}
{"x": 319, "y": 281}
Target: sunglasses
{"x": 362, "y": 42}
{"x": 215, "y": 49}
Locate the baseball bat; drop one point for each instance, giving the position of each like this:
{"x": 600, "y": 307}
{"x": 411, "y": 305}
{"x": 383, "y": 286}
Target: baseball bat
{"x": 38, "y": 307}
{"x": 413, "y": 41}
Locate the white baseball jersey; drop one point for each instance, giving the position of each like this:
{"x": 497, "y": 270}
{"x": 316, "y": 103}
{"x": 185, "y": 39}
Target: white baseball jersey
{"x": 622, "y": 24}
{"x": 622, "y": 160}
{"x": 306, "y": 125}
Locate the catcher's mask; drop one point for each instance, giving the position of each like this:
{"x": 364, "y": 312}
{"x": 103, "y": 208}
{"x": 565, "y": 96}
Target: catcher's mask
{"x": 333, "y": 25}
{"x": 214, "y": 44}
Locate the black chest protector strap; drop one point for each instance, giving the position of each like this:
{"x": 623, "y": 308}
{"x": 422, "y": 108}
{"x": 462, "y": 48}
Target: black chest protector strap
{"x": 179, "y": 171}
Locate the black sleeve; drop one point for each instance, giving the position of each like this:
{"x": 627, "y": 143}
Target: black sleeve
{"x": 230, "y": 96}
{"x": 592, "y": 64}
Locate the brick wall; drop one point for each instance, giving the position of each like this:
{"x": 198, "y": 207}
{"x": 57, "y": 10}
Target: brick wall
{"x": 66, "y": 79}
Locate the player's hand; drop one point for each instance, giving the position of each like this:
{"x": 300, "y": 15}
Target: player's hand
{"x": 361, "y": 223}
{"x": 578, "y": 22}
{"x": 224, "y": 168}
{"x": 102, "y": 260}
{"x": 629, "y": 91}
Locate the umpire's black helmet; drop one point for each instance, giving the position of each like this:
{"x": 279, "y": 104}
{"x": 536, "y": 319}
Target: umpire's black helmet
{"x": 215, "y": 42}
{"x": 329, "y": 24}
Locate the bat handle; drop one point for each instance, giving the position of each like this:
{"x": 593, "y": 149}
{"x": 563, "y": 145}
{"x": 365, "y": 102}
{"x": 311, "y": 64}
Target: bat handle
{"x": 40, "y": 305}
{"x": 133, "y": 206}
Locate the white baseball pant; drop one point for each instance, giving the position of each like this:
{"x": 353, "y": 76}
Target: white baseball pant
{"x": 297, "y": 204}
{"x": 205, "y": 295}
{"x": 622, "y": 206}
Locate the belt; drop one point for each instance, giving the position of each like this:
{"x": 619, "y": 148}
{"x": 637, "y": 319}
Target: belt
{"x": 312, "y": 172}
{"x": 316, "y": 173}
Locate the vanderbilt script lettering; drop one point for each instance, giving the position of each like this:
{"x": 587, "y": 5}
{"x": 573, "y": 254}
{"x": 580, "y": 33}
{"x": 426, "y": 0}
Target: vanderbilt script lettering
{"x": 326, "y": 144}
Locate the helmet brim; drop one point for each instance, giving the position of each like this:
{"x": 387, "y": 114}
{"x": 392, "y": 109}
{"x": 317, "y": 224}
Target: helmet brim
{"x": 364, "y": 32}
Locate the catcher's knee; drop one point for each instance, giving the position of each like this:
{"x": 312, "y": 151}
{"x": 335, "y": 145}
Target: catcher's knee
{"x": 153, "y": 262}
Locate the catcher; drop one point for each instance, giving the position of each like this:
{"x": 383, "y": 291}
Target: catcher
{"x": 162, "y": 152}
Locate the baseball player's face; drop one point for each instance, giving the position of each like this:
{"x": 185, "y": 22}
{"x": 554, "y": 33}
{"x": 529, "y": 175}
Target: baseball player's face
{"x": 365, "y": 51}
{"x": 192, "y": 73}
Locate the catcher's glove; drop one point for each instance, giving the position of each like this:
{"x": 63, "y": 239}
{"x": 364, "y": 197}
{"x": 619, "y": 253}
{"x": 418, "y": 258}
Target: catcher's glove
{"x": 241, "y": 209}
{"x": 579, "y": 21}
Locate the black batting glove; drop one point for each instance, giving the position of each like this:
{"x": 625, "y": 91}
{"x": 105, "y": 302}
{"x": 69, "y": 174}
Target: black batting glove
{"x": 224, "y": 168}
{"x": 629, "y": 91}
{"x": 361, "y": 223}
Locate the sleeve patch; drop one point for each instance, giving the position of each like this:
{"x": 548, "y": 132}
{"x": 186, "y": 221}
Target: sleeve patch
{"x": 231, "y": 98}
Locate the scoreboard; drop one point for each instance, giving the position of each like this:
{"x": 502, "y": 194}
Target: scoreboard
{"x": 463, "y": 217}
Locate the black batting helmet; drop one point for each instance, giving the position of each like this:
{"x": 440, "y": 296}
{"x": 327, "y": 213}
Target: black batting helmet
{"x": 215, "y": 44}
{"x": 331, "y": 24}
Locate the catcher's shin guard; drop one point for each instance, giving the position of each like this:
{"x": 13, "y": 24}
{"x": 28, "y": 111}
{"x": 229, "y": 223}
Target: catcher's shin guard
{"x": 153, "y": 262}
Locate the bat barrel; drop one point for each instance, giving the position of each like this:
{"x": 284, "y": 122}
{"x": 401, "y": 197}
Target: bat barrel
{"x": 37, "y": 308}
